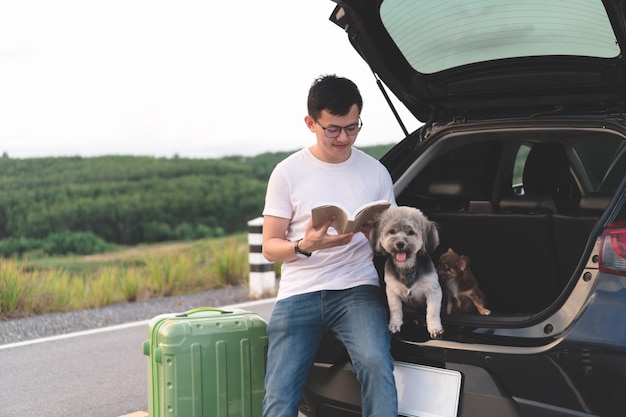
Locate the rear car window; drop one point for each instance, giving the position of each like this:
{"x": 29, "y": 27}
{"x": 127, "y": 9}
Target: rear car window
{"x": 450, "y": 35}
{"x": 605, "y": 165}
{"x": 601, "y": 161}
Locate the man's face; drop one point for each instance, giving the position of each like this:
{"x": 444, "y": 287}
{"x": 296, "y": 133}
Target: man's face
{"x": 334, "y": 150}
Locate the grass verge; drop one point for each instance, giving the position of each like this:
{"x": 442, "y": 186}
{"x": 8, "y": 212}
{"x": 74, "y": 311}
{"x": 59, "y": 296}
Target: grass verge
{"x": 50, "y": 285}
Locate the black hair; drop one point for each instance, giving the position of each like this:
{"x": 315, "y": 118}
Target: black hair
{"x": 334, "y": 94}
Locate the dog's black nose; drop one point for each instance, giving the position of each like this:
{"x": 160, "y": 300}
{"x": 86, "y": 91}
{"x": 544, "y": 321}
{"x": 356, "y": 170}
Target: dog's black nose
{"x": 400, "y": 245}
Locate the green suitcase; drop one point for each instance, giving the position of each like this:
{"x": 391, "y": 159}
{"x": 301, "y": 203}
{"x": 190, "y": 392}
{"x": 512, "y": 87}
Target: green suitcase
{"x": 206, "y": 363}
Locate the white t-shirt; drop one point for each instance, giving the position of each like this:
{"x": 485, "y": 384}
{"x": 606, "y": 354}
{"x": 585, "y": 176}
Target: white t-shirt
{"x": 302, "y": 181}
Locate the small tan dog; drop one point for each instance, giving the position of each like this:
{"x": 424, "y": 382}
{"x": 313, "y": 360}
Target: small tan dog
{"x": 462, "y": 292}
{"x": 408, "y": 237}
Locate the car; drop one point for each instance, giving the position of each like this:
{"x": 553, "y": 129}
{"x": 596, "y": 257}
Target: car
{"x": 520, "y": 160}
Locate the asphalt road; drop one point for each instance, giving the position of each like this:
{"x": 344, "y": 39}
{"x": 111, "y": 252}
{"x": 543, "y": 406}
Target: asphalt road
{"x": 94, "y": 373}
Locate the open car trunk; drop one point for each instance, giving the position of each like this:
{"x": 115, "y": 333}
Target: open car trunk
{"x": 526, "y": 204}
{"x": 522, "y": 202}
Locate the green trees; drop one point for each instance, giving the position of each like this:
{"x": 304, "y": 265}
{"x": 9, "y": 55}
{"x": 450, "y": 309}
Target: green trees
{"x": 128, "y": 199}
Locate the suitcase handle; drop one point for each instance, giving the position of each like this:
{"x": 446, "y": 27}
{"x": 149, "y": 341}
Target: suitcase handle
{"x": 203, "y": 310}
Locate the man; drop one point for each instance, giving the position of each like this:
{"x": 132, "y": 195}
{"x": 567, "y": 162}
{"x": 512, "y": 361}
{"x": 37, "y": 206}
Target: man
{"x": 328, "y": 280}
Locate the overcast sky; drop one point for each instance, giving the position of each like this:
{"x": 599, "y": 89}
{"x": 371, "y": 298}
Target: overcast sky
{"x": 152, "y": 77}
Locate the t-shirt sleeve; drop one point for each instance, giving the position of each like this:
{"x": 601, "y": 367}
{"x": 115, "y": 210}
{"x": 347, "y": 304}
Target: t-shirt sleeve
{"x": 277, "y": 201}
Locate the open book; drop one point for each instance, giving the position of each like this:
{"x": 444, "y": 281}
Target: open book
{"x": 346, "y": 222}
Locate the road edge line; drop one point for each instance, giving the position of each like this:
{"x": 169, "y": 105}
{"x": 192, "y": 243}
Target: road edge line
{"x": 116, "y": 327}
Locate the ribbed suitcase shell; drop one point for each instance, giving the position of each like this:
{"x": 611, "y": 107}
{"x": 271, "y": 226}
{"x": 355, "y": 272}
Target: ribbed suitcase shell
{"x": 206, "y": 363}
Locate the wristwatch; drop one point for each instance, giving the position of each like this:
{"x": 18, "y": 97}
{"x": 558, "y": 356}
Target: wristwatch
{"x": 297, "y": 249}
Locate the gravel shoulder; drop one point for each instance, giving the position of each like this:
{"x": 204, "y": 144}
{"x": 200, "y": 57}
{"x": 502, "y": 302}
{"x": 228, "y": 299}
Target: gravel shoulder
{"x": 35, "y": 327}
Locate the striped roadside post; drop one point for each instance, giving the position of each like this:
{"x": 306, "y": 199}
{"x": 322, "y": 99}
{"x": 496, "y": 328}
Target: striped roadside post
{"x": 262, "y": 282}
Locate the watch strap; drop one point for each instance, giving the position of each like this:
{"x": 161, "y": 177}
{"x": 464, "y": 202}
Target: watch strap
{"x": 297, "y": 250}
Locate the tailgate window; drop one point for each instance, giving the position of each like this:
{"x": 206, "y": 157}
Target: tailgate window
{"x": 451, "y": 33}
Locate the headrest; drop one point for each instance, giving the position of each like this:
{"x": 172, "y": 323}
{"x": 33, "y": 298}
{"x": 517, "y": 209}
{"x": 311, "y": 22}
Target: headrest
{"x": 546, "y": 170}
{"x": 480, "y": 207}
{"x": 527, "y": 204}
{"x": 453, "y": 188}
{"x": 595, "y": 202}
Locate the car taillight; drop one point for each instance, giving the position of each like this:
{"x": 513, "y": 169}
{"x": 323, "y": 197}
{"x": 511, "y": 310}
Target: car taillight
{"x": 613, "y": 249}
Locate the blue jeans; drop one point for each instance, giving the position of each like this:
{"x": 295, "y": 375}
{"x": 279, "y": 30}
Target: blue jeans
{"x": 358, "y": 318}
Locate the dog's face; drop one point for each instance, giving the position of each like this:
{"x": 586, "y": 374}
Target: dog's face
{"x": 451, "y": 265}
{"x": 403, "y": 233}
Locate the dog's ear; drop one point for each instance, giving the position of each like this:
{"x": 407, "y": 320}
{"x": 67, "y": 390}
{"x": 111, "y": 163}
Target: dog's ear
{"x": 431, "y": 240}
{"x": 374, "y": 237}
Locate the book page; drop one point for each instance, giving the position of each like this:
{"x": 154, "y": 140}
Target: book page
{"x": 322, "y": 213}
{"x": 344, "y": 221}
{"x": 368, "y": 212}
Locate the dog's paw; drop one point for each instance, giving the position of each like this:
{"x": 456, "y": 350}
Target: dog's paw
{"x": 436, "y": 332}
{"x": 395, "y": 325}
{"x": 485, "y": 312}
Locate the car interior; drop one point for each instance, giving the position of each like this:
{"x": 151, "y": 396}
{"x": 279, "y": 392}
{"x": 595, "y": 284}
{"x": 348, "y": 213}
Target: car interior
{"x": 517, "y": 206}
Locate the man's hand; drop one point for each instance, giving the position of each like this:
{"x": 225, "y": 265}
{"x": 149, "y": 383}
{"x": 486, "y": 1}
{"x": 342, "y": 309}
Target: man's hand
{"x": 366, "y": 228}
{"x": 316, "y": 239}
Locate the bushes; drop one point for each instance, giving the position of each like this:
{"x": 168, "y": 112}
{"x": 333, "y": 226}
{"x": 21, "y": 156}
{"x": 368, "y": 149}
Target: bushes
{"x": 162, "y": 232}
{"x": 87, "y": 243}
{"x": 78, "y": 243}
{"x": 65, "y": 243}
{"x": 18, "y": 246}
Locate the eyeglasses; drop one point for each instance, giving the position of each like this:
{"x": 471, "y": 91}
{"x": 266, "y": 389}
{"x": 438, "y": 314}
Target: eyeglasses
{"x": 332, "y": 132}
